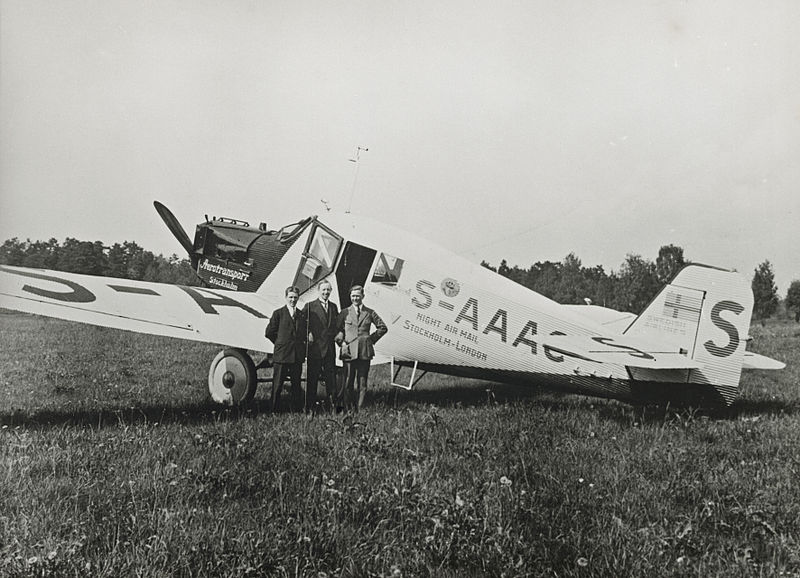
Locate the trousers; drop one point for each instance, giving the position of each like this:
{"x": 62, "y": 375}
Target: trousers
{"x": 356, "y": 387}
{"x": 280, "y": 371}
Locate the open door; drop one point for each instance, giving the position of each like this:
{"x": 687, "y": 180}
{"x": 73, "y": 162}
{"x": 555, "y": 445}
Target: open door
{"x": 318, "y": 257}
{"x": 353, "y": 269}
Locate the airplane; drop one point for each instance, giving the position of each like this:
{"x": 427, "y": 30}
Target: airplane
{"x": 445, "y": 314}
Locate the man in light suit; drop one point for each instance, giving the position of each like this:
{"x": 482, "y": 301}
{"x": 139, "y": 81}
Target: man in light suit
{"x": 287, "y": 330}
{"x": 322, "y": 317}
{"x": 357, "y": 343}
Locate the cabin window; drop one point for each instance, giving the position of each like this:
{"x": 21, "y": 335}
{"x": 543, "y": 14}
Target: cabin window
{"x": 318, "y": 258}
{"x": 387, "y": 271}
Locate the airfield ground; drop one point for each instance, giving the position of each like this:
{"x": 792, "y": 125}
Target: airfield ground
{"x": 113, "y": 463}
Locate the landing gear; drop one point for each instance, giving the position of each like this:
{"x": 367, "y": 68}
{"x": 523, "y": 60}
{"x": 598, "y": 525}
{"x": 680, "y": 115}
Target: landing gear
{"x": 232, "y": 378}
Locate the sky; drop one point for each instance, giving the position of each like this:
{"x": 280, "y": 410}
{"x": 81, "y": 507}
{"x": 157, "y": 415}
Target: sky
{"x": 500, "y": 130}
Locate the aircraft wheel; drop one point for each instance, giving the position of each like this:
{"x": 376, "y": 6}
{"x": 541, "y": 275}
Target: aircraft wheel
{"x": 232, "y": 378}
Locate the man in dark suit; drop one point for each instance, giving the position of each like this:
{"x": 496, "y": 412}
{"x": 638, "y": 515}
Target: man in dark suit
{"x": 357, "y": 344}
{"x": 322, "y": 316}
{"x": 287, "y": 329}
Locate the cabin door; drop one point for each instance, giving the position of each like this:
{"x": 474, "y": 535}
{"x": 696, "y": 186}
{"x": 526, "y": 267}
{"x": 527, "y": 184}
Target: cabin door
{"x": 353, "y": 269}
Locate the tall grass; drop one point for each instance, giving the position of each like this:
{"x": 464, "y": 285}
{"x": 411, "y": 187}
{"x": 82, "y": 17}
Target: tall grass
{"x": 113, "y": 463}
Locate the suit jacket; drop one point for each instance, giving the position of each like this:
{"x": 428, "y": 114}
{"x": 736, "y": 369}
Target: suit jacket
{"x": 288, "y": 335}
{"x": 354, "y": 331}
{"x": 323, "y": 327}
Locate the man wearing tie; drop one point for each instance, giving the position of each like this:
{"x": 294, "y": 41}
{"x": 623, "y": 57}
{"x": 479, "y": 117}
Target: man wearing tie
{"x": 322, "y": 316}
{"x": 357, "y": 343}
{"x": 287, "y": 330}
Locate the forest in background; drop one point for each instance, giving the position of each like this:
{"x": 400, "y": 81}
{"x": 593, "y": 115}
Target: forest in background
{"x": 630, "y": 288}
{"x": 125, "y": 260}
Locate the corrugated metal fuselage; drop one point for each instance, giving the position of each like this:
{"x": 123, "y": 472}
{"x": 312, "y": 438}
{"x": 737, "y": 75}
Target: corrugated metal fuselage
{"x": 451, "y": 316}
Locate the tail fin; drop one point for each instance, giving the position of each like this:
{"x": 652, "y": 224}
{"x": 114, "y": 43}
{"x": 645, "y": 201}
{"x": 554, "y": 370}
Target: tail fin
{"x": 705, "y": 312}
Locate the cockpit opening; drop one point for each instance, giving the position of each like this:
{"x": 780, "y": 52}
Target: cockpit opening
{"x": 353, "y": 269}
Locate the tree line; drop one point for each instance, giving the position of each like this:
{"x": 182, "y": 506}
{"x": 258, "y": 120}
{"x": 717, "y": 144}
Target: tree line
{"x": 636, "y": 283}
{"x": 125, "y": 260}
{"x": 630, "y": 288}
{"x": 568, "y": 281}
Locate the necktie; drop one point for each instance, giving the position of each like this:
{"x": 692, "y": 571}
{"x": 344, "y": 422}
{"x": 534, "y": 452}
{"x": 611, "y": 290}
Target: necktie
{"x": 325, "y": 306}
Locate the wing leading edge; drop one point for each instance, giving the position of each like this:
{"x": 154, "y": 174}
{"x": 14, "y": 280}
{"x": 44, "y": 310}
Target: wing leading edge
{"x": 212, "y": 316}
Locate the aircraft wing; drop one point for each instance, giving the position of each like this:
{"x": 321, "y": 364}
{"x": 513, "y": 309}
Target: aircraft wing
{"x": 619, "y": 350}
{"x": 214, "y": 316}
{"x": 610, "y": 319}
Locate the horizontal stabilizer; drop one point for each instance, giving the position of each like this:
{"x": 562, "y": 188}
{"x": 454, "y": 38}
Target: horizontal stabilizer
{"x": 756, "y": 361}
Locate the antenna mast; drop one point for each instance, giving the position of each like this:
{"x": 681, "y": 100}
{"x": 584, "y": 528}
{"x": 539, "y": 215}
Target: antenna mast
{"x": 355, "y": 175}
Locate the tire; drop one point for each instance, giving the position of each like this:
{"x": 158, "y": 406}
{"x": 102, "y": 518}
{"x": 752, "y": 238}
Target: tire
{"x": 232, "y": 378}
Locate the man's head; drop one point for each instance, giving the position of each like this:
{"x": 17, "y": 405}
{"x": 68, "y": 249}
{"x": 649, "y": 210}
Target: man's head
{"x": 292, "y": 293}
{"x": 324, "y": 289}
{"x": 356, "y": 295}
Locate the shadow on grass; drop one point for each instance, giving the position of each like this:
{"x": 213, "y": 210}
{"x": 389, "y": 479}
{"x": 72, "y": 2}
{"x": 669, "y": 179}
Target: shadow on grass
{"x": 474, "y": 394}
{"x": 140, "y": 414}
{"x": 744, "y": 407}
{"x": 657, "y": 413}
{"x": 471, "y": 395}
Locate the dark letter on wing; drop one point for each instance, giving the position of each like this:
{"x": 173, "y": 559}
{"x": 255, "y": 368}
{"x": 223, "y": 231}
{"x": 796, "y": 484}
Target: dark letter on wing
{"x": 632, "y": 351}
{"x": 207, "y": 304}
{"x": 76, "y": 294}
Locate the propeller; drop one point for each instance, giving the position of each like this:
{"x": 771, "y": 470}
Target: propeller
{"x": 174, "y": 226}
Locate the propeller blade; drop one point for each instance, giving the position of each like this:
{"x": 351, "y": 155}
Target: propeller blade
{"x": 174, "y": 226}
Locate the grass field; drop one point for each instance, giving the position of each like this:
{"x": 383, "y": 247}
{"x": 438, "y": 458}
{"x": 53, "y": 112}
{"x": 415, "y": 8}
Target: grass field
{"x": 113, "y": 463}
